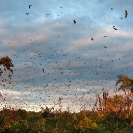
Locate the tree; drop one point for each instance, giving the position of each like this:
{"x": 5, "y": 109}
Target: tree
{"x": 5, "y": 65}
{"x": 126, "y": 84}
{"x": 6, "y": 62}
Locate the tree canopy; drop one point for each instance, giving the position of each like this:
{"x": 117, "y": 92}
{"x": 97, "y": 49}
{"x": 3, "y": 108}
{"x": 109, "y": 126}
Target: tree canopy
{"x": 126, "y": 82}
{"x": 6, "y": 62}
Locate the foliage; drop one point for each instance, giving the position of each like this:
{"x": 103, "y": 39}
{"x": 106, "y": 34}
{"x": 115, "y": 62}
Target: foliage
{"x": 6, "y": 62}
{"x": 126, "y": 82}
{"x": 20, "y": 121}
{"x": 110, "y": 114}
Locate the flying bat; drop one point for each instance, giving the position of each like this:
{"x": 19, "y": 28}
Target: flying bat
{"x": 104, "y": 46}
{"x": 92, "y": 39}
{"x": 74, "y": 21}
{"x": 30, "y": 6}
{"x": 27, "y": 13}
{"x": 47, "y": 15}
{"x": 43, "y": 70}
{"x": 114, "y": 28}
{"x": 126, "y": 13}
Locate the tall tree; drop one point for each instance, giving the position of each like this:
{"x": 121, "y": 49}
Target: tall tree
{"x": 6, "y": 62}
{"x": 5, "y": 65}
{"x": 126, "y": 84}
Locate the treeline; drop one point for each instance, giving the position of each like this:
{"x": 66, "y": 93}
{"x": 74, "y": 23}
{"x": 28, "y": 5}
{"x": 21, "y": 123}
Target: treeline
{"x": 109, "y": 114}
{"x": 112, "y": 117}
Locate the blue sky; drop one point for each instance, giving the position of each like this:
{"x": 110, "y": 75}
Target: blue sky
{"x": 74, "y": 65}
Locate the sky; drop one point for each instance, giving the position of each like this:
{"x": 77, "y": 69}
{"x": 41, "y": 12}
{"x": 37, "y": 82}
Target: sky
{"x": 55, "y": 58}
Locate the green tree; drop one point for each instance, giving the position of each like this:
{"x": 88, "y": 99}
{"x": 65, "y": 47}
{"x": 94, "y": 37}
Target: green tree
{"x": 126, "y": 84}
